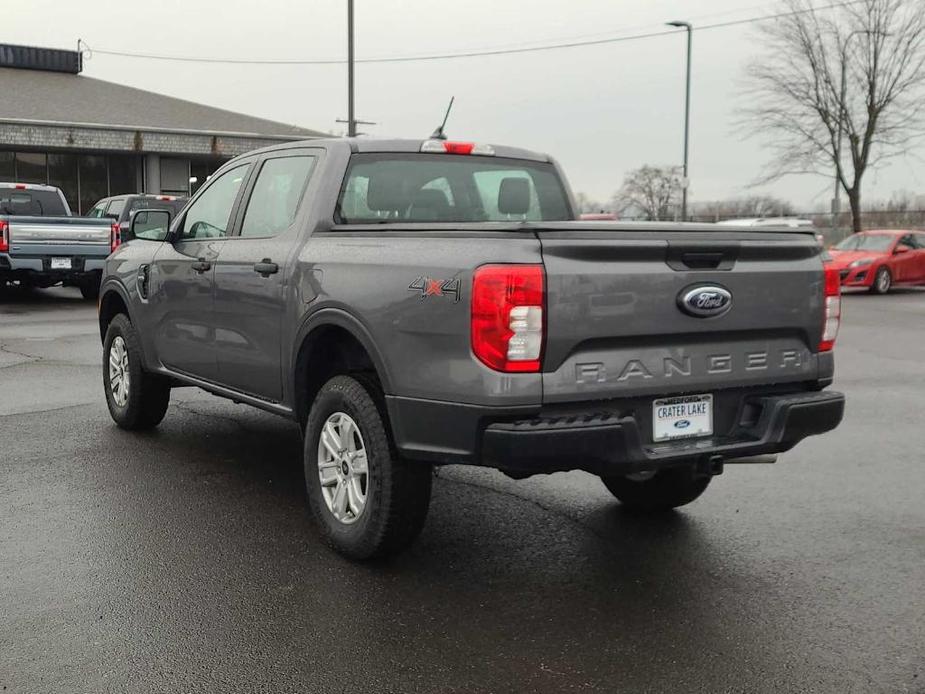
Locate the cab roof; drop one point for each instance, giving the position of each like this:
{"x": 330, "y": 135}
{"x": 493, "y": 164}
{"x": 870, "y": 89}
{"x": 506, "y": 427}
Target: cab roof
{"x": 365, "y": 145}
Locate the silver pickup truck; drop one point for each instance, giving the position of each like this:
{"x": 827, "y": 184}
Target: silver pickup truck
{"x": 42, "y": 244}
{"x": 414, "y": 303}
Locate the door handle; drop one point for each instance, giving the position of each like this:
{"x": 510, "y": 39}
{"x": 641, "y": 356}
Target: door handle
{"x": 266, "y": 267}
{"x": 202, "y": 265}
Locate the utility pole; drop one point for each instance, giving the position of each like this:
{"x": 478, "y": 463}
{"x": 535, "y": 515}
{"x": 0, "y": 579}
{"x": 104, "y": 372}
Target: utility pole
{"x": 685, "y": 183}
{"x": 351, "y": 120}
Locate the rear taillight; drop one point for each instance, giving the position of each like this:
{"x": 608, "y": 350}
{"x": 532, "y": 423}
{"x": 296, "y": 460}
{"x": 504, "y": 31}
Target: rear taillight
{"x": 832, "y": 301}
{"x": 115, "y": 236}
{"x": 4, "y": 236}
{"x": 507, "y": 316}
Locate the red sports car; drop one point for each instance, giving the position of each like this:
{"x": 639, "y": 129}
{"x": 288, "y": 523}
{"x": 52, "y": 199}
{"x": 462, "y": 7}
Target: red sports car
{"x": 880, "y": 259}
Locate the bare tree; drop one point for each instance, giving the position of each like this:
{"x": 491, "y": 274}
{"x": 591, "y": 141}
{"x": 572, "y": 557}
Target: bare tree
{"x": 587, "y": 204}
{"x": 652, "y": 192}
{"x": 854, "y": 74}
{"x": 749, "y": 206}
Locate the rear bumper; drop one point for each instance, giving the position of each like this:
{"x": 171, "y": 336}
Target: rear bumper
{"x": 609, "y": 442}
{"x": 19, "y": 266}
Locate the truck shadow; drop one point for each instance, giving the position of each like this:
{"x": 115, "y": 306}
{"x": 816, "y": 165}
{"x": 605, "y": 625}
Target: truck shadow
{"x": 587, "y": 592}
{"x": 53, "y": 297}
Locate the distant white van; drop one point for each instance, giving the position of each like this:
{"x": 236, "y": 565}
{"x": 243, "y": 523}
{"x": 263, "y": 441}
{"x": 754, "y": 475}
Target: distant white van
{"x": 792, "y": 222}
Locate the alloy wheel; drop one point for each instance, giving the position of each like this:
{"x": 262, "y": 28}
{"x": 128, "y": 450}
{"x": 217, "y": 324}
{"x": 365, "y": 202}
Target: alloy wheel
{"x": 343, "y": 468}
{"x": 119, "y": 380}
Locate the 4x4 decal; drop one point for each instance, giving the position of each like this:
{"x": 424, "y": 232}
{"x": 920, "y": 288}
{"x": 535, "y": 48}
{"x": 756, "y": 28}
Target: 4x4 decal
{"x": 428, "y": 286}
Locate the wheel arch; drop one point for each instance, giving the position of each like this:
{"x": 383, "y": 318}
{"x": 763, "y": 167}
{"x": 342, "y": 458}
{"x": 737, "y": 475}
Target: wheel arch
{"x": 339, "y": 343}
{"x": 113, "y": 301}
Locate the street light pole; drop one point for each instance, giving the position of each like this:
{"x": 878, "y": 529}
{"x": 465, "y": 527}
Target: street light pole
{"x": 687, "y": 115}
{"x": 351, "y": 120}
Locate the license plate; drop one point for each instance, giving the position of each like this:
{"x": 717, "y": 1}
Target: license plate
{"x": 60, "y": 263}
{"x": 682, "y": 417}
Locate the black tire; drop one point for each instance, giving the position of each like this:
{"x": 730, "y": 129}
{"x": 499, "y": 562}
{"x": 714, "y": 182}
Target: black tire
{"x": 883, "y": 281}
{"x": 90, "y": 290}
{"x": 397, "y": 491}
{"x": 667, "y": 489}
{"x": 148, "y": 394}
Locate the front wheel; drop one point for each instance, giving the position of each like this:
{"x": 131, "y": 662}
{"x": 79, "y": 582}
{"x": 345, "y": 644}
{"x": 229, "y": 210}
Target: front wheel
{"x": 883, "y": 281}
{"x": 136, "y": 398}
{"x": 654, "y": 492}
{"x": 366, "y": 500}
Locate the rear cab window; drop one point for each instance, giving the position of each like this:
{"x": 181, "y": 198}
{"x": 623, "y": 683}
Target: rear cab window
{"x": 32, "y": 203}
{"x": 417, "y": 187}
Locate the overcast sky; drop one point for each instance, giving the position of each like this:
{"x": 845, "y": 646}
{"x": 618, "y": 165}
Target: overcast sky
{"x": 601, "y": 110}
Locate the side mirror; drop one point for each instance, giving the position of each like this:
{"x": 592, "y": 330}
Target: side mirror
{"x": 902, "y": 248}
{"x": 151, "y": 225}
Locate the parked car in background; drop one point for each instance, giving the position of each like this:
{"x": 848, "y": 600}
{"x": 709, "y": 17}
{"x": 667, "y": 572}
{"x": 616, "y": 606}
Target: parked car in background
{"x": 413, "y": 303}
{"x": 598, "y": 217}
{"x": 879, "y": 260}
{"x": 42, "y": 244}
{"x": 120, "y": 208}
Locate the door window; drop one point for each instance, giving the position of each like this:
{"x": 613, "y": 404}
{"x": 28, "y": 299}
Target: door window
{"x": 209, "y": 216}
{"x": 98, "y": 209}
{"x": 275, "y": 199}
{"x": 115, "y": 208}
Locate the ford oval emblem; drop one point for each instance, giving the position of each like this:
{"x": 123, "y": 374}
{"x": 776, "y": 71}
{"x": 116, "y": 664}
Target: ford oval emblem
{"x": 682, "y": 424}
{"x": 705, "y": 301}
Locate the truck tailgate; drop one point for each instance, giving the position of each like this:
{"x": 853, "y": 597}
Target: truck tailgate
{"x": 615, "y": 327}
{"x": 64, "y": 236}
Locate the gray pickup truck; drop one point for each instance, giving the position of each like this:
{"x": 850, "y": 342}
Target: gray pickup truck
{"x": 42, "y": 244}
{"x": 415, "y": 303}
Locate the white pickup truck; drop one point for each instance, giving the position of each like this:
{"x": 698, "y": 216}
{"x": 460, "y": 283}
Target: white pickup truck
{"x": 42, "y": 244}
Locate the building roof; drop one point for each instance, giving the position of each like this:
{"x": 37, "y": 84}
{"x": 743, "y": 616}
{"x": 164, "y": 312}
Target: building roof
{"x": 61, "y": 98}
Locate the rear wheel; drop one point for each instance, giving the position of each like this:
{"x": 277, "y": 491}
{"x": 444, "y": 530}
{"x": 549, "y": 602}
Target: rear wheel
{"x": 653, "y": 492}
{"x": 90, "y": 289}
{"x": 366, "y": 500}
{"x": 136, "y": 398}
{"x": 883, "y": 281}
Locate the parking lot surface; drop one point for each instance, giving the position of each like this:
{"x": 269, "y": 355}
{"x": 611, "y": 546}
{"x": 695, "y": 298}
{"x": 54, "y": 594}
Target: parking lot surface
{"x": 184, "y": 559}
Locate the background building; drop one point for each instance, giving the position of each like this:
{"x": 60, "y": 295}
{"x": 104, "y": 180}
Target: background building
{"x": 93, "y": 138}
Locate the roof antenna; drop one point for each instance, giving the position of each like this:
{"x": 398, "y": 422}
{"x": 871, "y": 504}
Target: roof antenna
{"x": 438, "y": 133}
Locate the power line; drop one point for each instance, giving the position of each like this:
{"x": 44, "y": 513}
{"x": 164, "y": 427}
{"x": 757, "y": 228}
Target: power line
{"x": 465, "y": 54}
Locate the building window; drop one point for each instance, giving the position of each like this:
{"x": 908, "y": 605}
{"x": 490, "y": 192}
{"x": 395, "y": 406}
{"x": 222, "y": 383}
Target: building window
{"x": 31, "y": 167}
{"x": 199, "y": 172}
{"x": 123, "y": 174}
{"x": 62, "y": 173}
{"x": 94, "y": 183}
{"x": 7, "y": 172}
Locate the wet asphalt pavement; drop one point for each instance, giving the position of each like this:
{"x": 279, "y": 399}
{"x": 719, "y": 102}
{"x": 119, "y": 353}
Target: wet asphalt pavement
{"x": 184, "y": 560}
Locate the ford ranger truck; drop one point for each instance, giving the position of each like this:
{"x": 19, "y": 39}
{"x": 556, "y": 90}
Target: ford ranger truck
{"x": 42, "y": 244}
{"x": 412, "y": 304}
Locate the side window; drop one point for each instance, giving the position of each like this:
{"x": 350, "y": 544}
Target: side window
{"x": 275, "y": 199}
{"x": 115, "y": 208}
{"x": 98, "y": 209}
{"x": 907, "y": 240}
{"x": 208, "y": 217}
